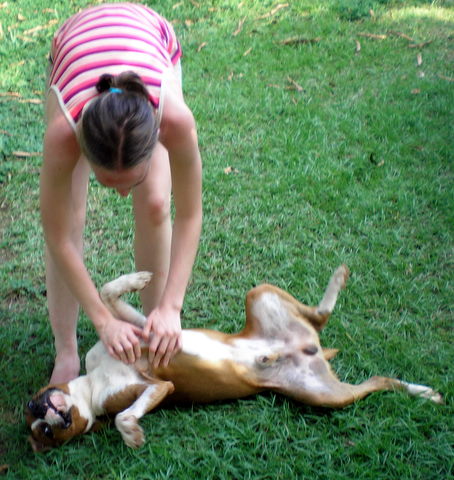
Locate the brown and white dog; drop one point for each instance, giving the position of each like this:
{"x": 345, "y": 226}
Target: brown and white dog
{"x": 279, "y": 349}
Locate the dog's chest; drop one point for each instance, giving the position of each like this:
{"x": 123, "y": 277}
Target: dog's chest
{"x": 241, "y": 351}
{"x": 109, "y": 379}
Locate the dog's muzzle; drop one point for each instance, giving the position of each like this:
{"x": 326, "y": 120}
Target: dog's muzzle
{"x": 39, "y": 408}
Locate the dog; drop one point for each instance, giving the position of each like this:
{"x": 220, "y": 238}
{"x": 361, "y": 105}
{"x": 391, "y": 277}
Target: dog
{"x": 278, "y": 349}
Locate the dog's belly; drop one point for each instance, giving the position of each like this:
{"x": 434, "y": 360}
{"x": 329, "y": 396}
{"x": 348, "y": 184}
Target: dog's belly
{"x": 209, "y": 369}
{"x": 199, "y": 381}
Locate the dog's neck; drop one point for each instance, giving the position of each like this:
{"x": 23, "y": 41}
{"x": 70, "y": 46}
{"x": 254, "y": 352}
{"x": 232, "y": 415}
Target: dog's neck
{"x": 81, "y": 393}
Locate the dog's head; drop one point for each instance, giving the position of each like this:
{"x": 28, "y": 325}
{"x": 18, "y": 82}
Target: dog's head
{"x": 53, "y": 418}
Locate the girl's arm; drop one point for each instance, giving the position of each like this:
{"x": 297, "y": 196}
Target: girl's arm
{"x": 61, "y": 154}
{"x": 179, "y": 136}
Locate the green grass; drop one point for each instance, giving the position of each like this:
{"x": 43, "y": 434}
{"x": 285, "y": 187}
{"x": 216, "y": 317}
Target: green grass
{"x": 356, "y": 168}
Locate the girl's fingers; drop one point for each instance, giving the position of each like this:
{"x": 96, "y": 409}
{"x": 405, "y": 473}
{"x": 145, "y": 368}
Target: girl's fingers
{"x": 171, "y": 347}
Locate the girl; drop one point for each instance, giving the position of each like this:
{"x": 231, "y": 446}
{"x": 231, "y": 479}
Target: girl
{"x": 115, "y": 106}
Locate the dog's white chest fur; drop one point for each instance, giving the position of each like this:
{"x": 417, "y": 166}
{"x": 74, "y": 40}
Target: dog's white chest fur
{"x": 244, "y": 351}
{"x": 107, "y": 376}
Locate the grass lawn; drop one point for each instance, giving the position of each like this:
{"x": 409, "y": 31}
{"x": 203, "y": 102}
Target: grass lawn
{"x": 326, "y": 134}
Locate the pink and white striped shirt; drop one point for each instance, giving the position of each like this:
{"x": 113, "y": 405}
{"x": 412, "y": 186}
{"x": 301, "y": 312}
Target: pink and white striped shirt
{"x": 110, "y": 38}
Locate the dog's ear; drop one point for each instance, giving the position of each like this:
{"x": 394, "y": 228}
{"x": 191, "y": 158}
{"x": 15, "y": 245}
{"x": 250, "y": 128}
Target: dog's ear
{"x": 37, "y": 446}
{"x": 330, "y": 353}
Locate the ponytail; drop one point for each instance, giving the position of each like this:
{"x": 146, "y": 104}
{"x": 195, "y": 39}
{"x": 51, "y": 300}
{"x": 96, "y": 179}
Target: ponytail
{"x": 119, "y": 128}
{"x": 126, "y": 81}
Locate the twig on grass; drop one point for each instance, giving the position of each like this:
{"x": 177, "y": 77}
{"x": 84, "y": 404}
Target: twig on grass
{"x": 401, "y": 35}
{"x": 38, "y": 28}
{"x": 420, "y": 45}
{"x": 357, "y": 47}
{"x": 297, "y": 86}
{"x": 273, "y": 11}
{"x": 444, "y": 77}
{"x": 418, "y": 59}
{"x": 298, "y": 40}
{"x": 239, "y": 28}
{"x": 374, "y": 36}
{"x": 21, "y": 154}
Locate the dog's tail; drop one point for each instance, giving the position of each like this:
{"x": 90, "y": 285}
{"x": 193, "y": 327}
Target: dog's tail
{"x": 112, "y": 291}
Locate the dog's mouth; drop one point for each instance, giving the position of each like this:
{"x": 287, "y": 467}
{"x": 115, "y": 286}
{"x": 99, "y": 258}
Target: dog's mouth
{"x": 40, "y": 408}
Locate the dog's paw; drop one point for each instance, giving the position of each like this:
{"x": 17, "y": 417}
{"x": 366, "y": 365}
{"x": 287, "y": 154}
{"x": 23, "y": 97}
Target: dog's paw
{"x": 130, "y": 430}
{"x": 433, "y": 396}
{"x": 341, "y": 275}
{"x": 423, "y": 391}
{"x": 141, "y": 279}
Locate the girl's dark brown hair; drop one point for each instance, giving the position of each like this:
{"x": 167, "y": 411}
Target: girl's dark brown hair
{"x": 119, "y": 129}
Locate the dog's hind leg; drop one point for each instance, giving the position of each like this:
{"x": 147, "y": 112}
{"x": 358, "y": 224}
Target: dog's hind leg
{"x": 339, "y": 394}
{"x": 127, "y": 421}
{"x": 319, "y": 315}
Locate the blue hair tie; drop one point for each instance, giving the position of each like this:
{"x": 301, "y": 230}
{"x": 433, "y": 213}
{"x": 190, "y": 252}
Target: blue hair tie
{"x": 115, "y": 90}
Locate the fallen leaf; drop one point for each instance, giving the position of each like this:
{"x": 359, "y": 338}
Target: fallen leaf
{"x": 21, "y": 154}
{"x": 35, "y": 101}
{"x": 230, "y": 170}
{"x": 20, "y": 17}
{"x": 420, "y": 45}
{"x": 401, "y": 35}
{"x": 373, "y": 35}
{"x": 9, "y": 94}
{"x": 299, "y": 40}
{"x": 41, "y": 27}
{"x": 196, "y": 4}
{"x": 444, "y": 77}
{"x": 273, "y": 11}
{"x": 415, "y": 91}
{"x": 358, "y": 47}
{"x": 296, "y": 85}
{"x": 177, "y": 5}
{"x": 247, "y": 52}
{"x": 239, "y": 28}
{"x": 419, "y": 60}
{"x": 232, "y": 75}
{"x": 25, "y": 38}
{"x": 374, "y": 161}
{"x": 202, "y": 45}
{"x": 188, "y": 23}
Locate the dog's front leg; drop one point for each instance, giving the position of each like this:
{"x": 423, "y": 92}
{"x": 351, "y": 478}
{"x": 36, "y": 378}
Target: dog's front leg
{"x": 127, "y": 421}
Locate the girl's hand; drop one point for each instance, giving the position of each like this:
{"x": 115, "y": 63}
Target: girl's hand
{"x": 163, "y": 331}
{"x": 122, "y": 340}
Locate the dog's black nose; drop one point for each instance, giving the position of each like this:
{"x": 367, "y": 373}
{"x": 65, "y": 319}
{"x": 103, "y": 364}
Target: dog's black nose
{"x": 38, "y": 410}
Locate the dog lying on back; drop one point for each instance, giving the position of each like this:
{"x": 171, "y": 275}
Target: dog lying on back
{"x": 279, "y": 349}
